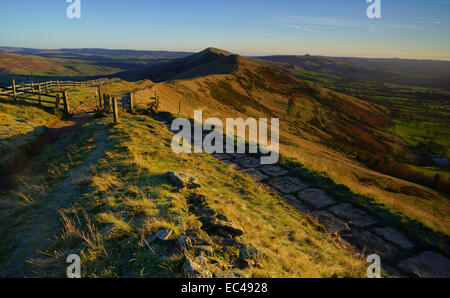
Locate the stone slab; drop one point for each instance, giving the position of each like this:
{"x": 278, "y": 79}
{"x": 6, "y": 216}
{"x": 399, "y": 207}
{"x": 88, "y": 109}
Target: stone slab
{"x": 286, "y": 185}
{"x": 369, "y": 243}
{"x": 428, "y": 264}
{"x": 249, "y": 162}
{"x": 394, "y": 236}
{"x": 317, "y": 198}
{"x": 298, "y": 181}
{"x": 254, "y": 174}
{"x": 274, "y": 171}
{"x": 294, "y": 202}
{"x": 352, "y": 215}
{"x": 331, "y": 222}
{"x": 237, "y": 155}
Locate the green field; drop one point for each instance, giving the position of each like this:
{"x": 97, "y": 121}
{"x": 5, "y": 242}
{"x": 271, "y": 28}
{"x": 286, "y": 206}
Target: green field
{"x": 415, "y": 132}
{"x": 419, "y": 114}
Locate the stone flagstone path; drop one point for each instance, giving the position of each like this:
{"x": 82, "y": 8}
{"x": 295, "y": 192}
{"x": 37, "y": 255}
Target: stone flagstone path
{"x": 400, "y": 256}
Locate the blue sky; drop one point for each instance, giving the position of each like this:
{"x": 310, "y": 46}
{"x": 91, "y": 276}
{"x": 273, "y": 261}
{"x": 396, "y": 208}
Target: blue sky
{"x": 407, "y": 29}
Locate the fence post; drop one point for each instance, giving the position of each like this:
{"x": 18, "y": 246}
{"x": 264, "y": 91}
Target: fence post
{"x": 66, "y": 102}
{"x": 115, "y": 110}
{"x": 110, "y": 97}
{"x": 132, "y": 103}
{"x": 57, "y": 84}
{"x": 14, "y": 89}
{"x": 58, "y": 101}
{"x": 40, "y": 91}
{"x": 100, "y": 97}
{"x": 106, "y": 105}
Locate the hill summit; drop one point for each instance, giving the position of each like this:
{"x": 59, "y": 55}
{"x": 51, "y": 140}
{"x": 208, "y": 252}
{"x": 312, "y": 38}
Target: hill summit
{"x": 207, "y": 62}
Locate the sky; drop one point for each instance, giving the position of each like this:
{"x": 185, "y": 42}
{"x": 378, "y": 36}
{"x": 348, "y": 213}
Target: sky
{"x": 407, "y": 28}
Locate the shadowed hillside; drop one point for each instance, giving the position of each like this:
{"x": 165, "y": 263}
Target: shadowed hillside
{"x": 208, "y": 62}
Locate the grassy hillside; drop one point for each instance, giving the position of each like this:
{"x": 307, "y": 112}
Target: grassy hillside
{"x": 21, "y": 126}
{"x": 322, "y": 129}
{"x": 113, "y": 196}
{"x": 420, "y": 118}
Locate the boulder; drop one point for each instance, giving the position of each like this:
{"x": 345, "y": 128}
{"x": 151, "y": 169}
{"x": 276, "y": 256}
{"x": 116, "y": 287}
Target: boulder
{"x": 224, "y": 228}
{"x": 194, "y": 270}
{"x": 182, "y": 180}
{"x": 248, "y": 252}
{"x": 204, "y": 250}
{"x": 184, "y": 242}
{"x": 247, "y": 255}
{"x": 197, "y": 199}
{"x": 164, "y": 234}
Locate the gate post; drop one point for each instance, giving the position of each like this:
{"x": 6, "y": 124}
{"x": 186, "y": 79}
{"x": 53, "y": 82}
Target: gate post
{"x": 115, "y": 110}
{"x": 132, "y": 109}
{"x": 66, "y": 103}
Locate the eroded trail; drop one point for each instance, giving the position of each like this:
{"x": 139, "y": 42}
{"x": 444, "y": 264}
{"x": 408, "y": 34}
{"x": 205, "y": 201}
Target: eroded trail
{"x": 38, "y": 226}
{"x": 35, "y": 228}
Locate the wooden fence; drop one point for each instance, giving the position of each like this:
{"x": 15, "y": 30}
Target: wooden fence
{"x": 112, "y": 103}
{"x": 37, "y": 91}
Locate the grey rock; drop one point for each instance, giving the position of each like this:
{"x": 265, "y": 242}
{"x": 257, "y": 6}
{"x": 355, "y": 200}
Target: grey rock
{"x": 224, "y": 228}
{"x": 233, "y": 274}
{"x": 248, "y": 252}
{"x": 150, "y": 239}
{"x": 182, "y": 180}
{"x": 230, "y": 242}
{"x": 274, "y": 171}
{"x": 164, "y": 234}
{"x": 331, "y": 223}
{"x": 197, "y": 199}
{"x": 208, "y": 220}
{"x": 194, "y": 270}
{"x": 317, "y": 198}
{"x": 198, "y": 237}
{"x": 352, "y": 215}
{"x": 428, "y": 264}
{"x": 207, "y": 211}
{"x": 184, "y": 242}
{"x": 106, "y": 230}
{"x": 204, "y": 250}
{"x": 394, "y": 236}
{"x": 222, "y": 217}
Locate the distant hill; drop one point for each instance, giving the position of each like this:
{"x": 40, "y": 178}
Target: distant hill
{"x": 100, "y": 52}
{"x": 21, "y": 63}
{"x": 208, "y": 62}
{"x": 427, "y": 73}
